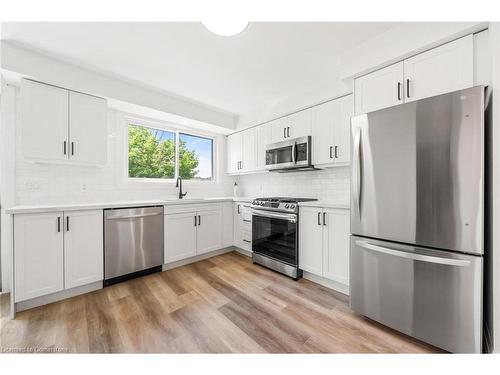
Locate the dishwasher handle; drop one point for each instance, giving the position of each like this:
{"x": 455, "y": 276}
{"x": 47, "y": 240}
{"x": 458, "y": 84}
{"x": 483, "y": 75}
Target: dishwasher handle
{"x": 133, "y": 216}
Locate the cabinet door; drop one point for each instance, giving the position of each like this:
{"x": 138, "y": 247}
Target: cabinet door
{"x": 83, "y": 248}
{"x": 336, "y": 245}
{"x": 342, "y": 144}
{"x": 278, "y": 129}
{"x": 299, "y": 124}
{"x": 227, "y": 224}
{"x": 380, "y": 89}
{"x": 180, "y": 236}
{"x": 449, "y": 67}
{"x": 44, "y": 121}
{"x": 248, "y": 148}
{"x": 87, "y": 129}
{"x": 311, "y": 240}
{"x": 38, "y": 255}
{"x": 263, "y": 138}
{"x": 209, "y": 231}
{"x": 233, "y": 153}
{"x": 238, "y": 225}
{"x": 325, "y": 120}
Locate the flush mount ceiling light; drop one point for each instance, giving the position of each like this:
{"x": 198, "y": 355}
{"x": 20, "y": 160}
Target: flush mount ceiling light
{"x": 225, "y": 27}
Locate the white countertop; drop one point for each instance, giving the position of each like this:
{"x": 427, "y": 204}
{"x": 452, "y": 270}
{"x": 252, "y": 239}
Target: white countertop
{"x": 326, "y": 204}
{"x": 116, "y": 204}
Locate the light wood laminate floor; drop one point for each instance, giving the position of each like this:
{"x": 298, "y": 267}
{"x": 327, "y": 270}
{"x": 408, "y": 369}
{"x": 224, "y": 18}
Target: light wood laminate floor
{"x": 223, "y": 304}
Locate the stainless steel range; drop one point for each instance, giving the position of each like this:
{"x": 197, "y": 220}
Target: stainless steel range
{"x": 275, "y": 242}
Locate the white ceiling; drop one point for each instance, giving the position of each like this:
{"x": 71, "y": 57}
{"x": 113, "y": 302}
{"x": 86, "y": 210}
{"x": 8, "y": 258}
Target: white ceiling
{"x": 266, "y": 62}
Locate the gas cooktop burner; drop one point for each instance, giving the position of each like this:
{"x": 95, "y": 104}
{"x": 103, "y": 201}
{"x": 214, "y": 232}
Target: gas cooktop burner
{"x": 282, "y": 204}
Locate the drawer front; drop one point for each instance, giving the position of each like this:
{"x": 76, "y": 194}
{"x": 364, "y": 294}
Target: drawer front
{"x": 434, "y": 296}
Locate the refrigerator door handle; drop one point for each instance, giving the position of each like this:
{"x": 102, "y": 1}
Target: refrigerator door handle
{"x": 357, "y": 173}
{"x": 413, "y": 256}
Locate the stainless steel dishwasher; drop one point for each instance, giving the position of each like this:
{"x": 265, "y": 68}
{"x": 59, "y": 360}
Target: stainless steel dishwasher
{"x": 133, "y": 242}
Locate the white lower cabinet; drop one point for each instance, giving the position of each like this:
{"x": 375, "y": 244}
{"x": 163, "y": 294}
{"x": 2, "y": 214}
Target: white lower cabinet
{"x": 324, "y": 243}
{"x": 49, "y": 258}
{"x": 209, "y": 231}
{"x": 191, "y": 231}
{"x": 242, "y": 226}
{"x": 336, "y": 245}
{"x": 180, "y": 236}
{"x": 83, "y": 248}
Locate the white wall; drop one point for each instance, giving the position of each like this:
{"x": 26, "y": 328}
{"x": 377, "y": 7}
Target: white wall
{"x": 330, "y": 184}
{"x": 41, "y": 67}
{"x": 37, "y": 183}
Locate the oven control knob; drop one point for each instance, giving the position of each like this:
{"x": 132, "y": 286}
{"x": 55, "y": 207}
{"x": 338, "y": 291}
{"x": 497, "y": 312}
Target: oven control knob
{"x": 292, "y": 206}
{"x": 287, "y": 205}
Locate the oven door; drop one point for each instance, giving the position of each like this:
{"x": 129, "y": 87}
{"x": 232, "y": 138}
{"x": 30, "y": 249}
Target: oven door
{"x": 293, "y": 153}
{"x": 274, "y": 235}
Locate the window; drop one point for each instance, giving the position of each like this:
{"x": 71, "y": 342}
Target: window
{"x": 165, "y": 154}
{"x": 195, "y": 157}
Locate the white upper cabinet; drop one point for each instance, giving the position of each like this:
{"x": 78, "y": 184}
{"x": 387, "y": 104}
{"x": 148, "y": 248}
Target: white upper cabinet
{"x": 234, "y": 153}
{"x": 299, "y": 124}
{"x": 44, "y": 121}
{"x": 292, "y": 126}
{"x": 87, "y": 132}
{"x": 443, "y": 69}
{"x": 83, "y": 248}
{"x": 380, "y": 89}
{"x": 447, "y": 68}
{"x": 263, "y": 138}
{"x": 59, "y": 125}
{"x": 241, "y": 151}
{"x": 38, "y": 255}
{"x": 342, "y": 154}
{"x": 278, "y": 129}
{"x": 331, "y": 122}
{"x": 248, "y": 150}
{"x": 325, "y": 120}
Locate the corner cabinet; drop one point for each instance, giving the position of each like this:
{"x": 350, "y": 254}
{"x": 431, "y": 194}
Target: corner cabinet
{"x": 331, "y": 123}
{"x": 62, "y": 126}
{"x": 56, "y": 251}
{"x": 324, "y": 244}
{"x": 443, "y": 69}
{"x": 192, "y": 230}
{"x": 241, "y": 150}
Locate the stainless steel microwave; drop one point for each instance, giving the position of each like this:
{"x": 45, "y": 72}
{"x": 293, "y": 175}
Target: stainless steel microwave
{"x": 290, "y": 155}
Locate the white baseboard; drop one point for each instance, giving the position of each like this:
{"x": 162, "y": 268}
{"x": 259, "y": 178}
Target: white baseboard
{"x": 197, "y": 258}
{"x": 54, "y": 297}
{"x": 243, "y": 252}
{"x": 331, "y": 284}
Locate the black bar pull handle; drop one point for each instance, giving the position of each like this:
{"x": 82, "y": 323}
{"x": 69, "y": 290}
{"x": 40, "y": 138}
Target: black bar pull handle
{"x": 194, "y": 220}
{"x": 319, "y": 218}
{"x": 407, "y": 87}
{"x": 67, "y": 223}
{"x": 58, "y": 224}
{"x": 72, "y": 148}
{"x": 399, "y": 90}
{"x": 324, "y": 218}
{"x": 64, "y": 147}
{"x": 199, "y": 219}
{"x": 331, "y": 148}
{"x": 288, "y": 132}
{"x": 284, "y": 132}
{"x": 336, "y": 154}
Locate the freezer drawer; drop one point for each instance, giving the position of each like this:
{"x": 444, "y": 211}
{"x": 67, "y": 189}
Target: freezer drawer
{"x": 432, "y": 295}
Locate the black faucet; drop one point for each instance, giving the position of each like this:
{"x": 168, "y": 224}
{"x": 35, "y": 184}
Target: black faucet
{"x": 178, "y": 184}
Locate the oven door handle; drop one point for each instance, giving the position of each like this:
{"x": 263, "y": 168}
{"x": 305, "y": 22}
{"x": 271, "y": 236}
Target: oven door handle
{"x": 273, "y": 215}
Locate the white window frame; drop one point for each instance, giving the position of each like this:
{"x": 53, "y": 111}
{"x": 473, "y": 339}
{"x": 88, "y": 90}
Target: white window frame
{"x": 173, "y": 128}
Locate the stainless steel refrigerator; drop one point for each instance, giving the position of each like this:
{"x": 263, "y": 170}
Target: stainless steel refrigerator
{"x": 417, "y": 218}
